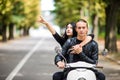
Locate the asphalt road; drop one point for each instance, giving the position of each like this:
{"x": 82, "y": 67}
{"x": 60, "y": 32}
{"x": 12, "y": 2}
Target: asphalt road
{"x": 32, "y": 58}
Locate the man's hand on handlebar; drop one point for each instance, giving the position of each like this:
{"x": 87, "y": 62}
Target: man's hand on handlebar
{"x": 61, "y": 65}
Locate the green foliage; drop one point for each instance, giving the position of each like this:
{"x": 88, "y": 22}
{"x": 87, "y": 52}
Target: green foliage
{"x": 69, "y": 10}
{"x": 30, "y": 12}
{"x": 19, "y": 12}
{"x": 5, "y": 10}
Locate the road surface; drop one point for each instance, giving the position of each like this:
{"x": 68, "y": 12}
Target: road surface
{"x": 32, "y": 58}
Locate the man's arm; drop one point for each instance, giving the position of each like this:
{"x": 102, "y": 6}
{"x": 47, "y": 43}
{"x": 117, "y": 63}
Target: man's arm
{"x": 94, "y": 54}
{"x": 65, "y": 48}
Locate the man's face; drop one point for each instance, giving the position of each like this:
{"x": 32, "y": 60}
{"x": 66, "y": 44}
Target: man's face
{"x": 81, "y": 28}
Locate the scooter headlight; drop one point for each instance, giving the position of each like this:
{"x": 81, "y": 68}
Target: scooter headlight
{"x": 81, "y": 79}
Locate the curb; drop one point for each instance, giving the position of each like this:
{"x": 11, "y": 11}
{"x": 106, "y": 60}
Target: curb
{"x": 118, "y": 62}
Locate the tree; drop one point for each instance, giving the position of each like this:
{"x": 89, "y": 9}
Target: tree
{"x": 111, "y": 27}
{"x": 97, "y": 14}
{"x": 118, "y": 23}
{"x": 5, "y": 9}
{"x": 67, "y": 11}
{"x": 16, "y": 16}
{"x": 18, "y": 13}
{"x": 31, "y": 13}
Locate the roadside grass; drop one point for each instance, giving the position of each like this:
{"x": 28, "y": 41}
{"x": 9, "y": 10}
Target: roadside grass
{"x": 113, "y": 56}
{"x": 116, "y": 56}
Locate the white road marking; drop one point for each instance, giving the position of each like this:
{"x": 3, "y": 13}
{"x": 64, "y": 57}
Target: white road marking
{"x": 23, "y": 61}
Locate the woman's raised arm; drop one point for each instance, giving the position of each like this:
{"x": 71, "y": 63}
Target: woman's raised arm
{"x": 50, "y": 28}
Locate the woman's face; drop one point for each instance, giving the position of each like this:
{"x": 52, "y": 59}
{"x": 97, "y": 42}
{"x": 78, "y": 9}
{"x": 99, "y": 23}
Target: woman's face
{"x": 69, "y": 30}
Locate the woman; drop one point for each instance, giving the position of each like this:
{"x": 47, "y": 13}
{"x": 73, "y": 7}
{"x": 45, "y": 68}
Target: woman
{"x": 69, "y": 33}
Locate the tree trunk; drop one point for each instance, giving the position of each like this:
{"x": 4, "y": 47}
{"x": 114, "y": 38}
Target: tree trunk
{"x": 28, "y": 30}
{"x": 118, "y": 29}
{"x": 25, "y": 31}
{"x": 111, "y": 18}
{"x": 4, "y": 29}
{"x": 11, "y": 31}
{"x": 95, "y": 19}
{"x": 95, "y": 26}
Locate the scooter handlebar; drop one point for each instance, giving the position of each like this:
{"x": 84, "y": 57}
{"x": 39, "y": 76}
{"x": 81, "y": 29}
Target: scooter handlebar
{"x": 80, "y": 64}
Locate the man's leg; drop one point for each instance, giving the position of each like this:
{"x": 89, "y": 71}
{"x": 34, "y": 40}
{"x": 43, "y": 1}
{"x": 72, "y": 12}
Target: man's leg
{"x": 58, "y": 76}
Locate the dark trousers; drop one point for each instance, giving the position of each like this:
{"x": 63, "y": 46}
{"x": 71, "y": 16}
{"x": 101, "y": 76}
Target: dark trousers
{"x": 61, "y": 76}
{"x": 100, "y": 75}
{"x": 58, "y": 76}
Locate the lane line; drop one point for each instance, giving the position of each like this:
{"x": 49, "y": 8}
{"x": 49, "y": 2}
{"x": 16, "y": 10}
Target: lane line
{"x": 23, "y": 61}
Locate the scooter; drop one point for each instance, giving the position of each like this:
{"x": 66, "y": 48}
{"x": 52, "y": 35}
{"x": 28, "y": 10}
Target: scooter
{"x": 80, "y": 70}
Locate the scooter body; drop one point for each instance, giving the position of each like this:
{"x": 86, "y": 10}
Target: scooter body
{"x": 81, "y": 71}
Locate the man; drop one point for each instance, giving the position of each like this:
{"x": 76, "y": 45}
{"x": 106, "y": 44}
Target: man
{"x": 87, "y": 53}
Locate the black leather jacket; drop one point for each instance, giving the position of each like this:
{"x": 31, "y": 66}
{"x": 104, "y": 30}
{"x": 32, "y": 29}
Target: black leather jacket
{"x": 89, "y": 53}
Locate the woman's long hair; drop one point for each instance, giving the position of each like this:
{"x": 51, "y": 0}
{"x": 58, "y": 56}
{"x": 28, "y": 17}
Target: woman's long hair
{"x": 74, "y": 31}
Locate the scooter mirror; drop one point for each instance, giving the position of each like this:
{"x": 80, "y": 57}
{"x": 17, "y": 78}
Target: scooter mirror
{"x": 58, "y": 49}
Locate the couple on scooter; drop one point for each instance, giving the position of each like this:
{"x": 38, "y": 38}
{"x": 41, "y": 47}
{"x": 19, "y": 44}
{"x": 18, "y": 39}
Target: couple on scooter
{"x": 83, "y": 47}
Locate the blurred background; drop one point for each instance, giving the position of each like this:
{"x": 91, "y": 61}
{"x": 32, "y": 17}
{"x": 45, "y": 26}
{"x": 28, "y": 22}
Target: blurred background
{"x": 18, "y": 19}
